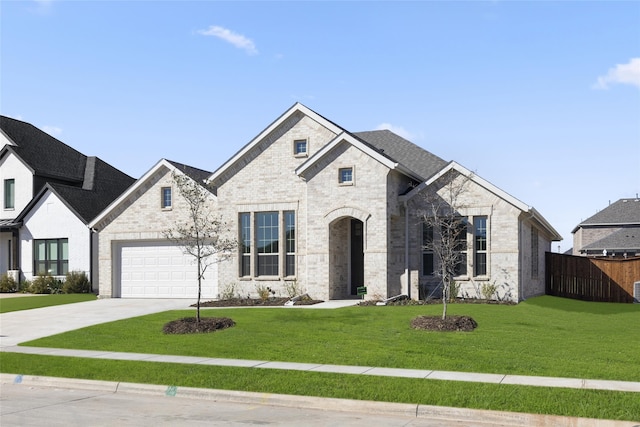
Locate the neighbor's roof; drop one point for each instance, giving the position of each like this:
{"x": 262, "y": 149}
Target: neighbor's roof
{"x": 624, "y": 211}
{"x": 627, "y": 238}
{"x": 44, "y": 154}
{"x": 87, "y": 203}
{"x": 416, "y": 159}
{"x": 198, "y": 175}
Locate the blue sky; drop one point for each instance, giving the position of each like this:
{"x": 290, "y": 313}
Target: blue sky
{"x": 542, "y": 99}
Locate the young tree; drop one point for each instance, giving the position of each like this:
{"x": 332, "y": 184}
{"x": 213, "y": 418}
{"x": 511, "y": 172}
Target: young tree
{"x": 200, "y": 234}
{"x": 442, "y": 203}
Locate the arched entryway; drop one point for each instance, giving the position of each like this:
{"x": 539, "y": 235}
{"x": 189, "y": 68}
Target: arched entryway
{"x": 346, "y": 257}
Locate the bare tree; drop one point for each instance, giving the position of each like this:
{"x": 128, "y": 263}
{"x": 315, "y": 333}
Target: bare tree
{"x": 447, "y": 237}
{"x": 199, "y": 235}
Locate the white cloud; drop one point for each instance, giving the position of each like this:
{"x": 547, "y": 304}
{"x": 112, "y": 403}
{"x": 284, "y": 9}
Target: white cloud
{"x": 398, "y": 130}
{"x": 621, "y": 74}
{"x": 238, "y": 40}
{"x": 52, "y": 130}
{"x": 42, "y": 6}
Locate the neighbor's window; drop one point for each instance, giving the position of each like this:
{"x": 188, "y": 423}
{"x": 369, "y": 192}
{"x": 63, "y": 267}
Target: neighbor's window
{"x": 51, "y": 256}
{"x": 300, "y": 147}
{"x": 267, "y": 240}
{"x": 245, "y": 244}
{"x": 345, "y": 176}
{"x": 427, "y": 250}
{"x": 9, "y": 193}
{"x": 480, "y": 245}
{"x": 166, "y": 197}
{"x": 290, "y": 242}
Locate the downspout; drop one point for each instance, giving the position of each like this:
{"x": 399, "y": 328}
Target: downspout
{"x": 407, "y": 270}
{"x": 91, "y": 257}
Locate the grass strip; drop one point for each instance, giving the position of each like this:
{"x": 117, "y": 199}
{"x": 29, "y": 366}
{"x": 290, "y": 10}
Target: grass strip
{"x": 543, "y": 336}
{"x": 540, "y": 400}
{"x": 38, "y": 301}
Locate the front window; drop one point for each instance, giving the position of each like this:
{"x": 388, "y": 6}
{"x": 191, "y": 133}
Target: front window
{"x": 345, "y": 176}
{"x": 290, "y": 241}
{"x": 245, "y": 244}
{"x": 51, "y": 256}
{"x": 454, "y": 235}
{"x": 480, "y": 245}
{"x": 267, "y": 229}
{"x": 166, "y": 198}
{"x": 300, "y": 147}
{"x": 9, "y": 193}
{"x": 427, "y": 250}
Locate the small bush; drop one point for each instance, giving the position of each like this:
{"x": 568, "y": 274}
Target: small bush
{"x": 264, "y": 292}
{"x": 454, "y": 290}
{"x": 229, "y": 291}
{"x": 76, "y": 282}
{"x": 292, "y": 288}
{"x": 45, "y": 285}
{"x": 488, "y": 290}
{"x": 7, "y": 284}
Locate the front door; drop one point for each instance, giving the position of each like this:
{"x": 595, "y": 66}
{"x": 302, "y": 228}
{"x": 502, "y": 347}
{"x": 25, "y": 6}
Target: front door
{"x": 357, "y": 255}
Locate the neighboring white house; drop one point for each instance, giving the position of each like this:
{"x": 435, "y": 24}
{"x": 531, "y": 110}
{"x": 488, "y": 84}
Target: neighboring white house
{"x": 330, "y": 211}
{"x": 49, "y": 193}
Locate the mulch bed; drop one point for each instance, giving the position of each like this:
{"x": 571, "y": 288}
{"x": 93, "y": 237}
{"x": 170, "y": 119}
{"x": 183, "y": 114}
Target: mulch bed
{"x": 255, "y": 302}
{"x": 450, "y": 323}
{"x": 188, "y": 325}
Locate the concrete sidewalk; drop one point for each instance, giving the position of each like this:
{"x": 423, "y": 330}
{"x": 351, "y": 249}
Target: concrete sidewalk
{"x": 626, "y": 386}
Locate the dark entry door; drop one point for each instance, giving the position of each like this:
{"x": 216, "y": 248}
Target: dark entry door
{"x": 357, "y": 255}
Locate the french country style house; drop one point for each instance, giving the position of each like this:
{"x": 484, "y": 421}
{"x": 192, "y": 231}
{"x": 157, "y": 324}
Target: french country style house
{"x": 329, "y": 211}
{"x": 50, "y": 192}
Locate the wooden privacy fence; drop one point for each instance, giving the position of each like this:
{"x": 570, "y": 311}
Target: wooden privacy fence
{"x": 591, "y": 279}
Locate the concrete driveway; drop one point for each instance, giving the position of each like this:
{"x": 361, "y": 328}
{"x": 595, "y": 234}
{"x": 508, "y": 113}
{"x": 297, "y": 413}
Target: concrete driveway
{"x": 27, "y": 325}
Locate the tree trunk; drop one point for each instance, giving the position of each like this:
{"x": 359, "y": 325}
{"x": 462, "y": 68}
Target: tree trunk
{"x": 199, "y": 290}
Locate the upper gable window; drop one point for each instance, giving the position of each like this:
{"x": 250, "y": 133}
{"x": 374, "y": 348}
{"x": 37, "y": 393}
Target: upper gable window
{"x": 9, "y": 193}
{"x": 300, "y": 148}
{"x": 165, "y": 196}
{"x": 345, "y": 176}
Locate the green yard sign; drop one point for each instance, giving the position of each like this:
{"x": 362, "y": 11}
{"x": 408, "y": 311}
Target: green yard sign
{"x": 362, "y": 290}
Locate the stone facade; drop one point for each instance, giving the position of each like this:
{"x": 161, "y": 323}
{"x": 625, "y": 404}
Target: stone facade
{"x": 366, "y": 231}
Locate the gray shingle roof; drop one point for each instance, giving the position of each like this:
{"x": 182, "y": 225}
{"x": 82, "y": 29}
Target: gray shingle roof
{"x": 86, "y": 184}
{"x": 624, "y": 211}
{"x": 47, "y": 156}
{"x": 627, "y": 238}
{"x": 416, "y": 159}
{"x": 198, "y": 175}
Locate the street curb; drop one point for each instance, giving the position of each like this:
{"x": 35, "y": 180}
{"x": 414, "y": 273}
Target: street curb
{"x": 309, "y": 402}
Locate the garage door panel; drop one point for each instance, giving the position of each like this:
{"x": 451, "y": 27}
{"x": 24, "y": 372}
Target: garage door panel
{"x": 161, "y": 270}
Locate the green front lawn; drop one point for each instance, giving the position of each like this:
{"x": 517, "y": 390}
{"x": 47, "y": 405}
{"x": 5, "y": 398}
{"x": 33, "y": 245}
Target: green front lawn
{"x": 541, "y": 400}
{"x": 28, "y": 302}
{"x": 544, "y": 336}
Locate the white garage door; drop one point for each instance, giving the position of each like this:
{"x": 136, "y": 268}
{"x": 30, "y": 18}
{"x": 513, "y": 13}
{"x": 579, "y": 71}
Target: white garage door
{"x": 161, "y": 270}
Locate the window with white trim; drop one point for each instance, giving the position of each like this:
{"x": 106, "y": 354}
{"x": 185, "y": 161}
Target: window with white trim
{"x": 427, "y": 250}
{"x": 480, "y": 245}
{"x": 300, "y": 148}
{"x": 345, "y": 176}
{"x": 165, "y": 198}
{"x": 267, "y": 244}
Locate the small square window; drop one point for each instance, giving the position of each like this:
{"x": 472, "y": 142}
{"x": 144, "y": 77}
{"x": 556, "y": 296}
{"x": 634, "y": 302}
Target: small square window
{"x": 166, "y": 198}
{"x": 345, "y": 176}
{"x": 300, "y": 147}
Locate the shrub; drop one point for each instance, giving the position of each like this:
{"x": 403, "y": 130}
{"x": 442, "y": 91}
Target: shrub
{"x": 8, "y": 284}
{"x": 76, "y": 282}
{"x": 45, "y": 285}
{"x": 454, "y": 289}
{"x": 264, "y": 292}
{"x": 228, "y": 292}
{"x": 292, "y": 288}
{"x": 488, "y": 290}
